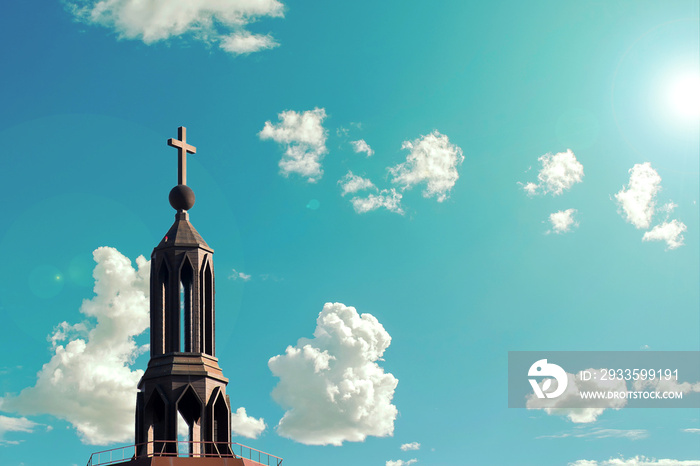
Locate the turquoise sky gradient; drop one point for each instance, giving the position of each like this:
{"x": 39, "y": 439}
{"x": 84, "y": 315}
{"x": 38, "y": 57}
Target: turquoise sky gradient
{"x": 456, "y": 284}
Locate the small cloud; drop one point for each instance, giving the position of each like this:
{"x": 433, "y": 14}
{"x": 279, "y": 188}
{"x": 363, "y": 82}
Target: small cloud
{"x": 636, "y": 461}
{"x": 410, "y": 446}
{"x": 433, "y": 160}
{"x": 531, "y": 188}
{"x": 331, "y": 385}
{"x": 246, "y": 426}
{"x": 559, "y": 172}
{"x": 670, "y": 232}
{"x": 631, "y": 434}
{"x": 362, "y": 146}
{"x": 401, "y": 462}
{"x": 245, "y": 42}
{"x": 573, "y": 406}
{"x": 562, "y": 221}
{"x": 638, "y": 199}
{"x": 304, "y": 139}
{"x": 668, "y": 207}
{"x": 207, "y": 21}
{"x": 235, "y": 275}
{"x": 352, "y": 183}
{"x": 692, "y": 430}
{"x": 14, "y": 424}
{"x": 389, "y": 199}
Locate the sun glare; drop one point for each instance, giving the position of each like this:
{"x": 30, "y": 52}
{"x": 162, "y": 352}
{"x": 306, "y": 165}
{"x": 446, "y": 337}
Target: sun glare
{"x": 684, "y": 95}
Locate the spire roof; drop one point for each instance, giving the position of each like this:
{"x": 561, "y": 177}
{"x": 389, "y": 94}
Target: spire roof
{"x": 183, "y": 234}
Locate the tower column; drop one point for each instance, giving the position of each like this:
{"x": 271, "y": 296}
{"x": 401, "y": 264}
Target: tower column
{"x": 183, "y": 378}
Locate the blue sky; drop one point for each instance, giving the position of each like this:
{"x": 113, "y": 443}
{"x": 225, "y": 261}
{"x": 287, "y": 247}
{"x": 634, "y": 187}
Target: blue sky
{"x": 470, "y": 178}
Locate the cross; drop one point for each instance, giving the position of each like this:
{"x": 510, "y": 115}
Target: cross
{"x": 182, "y": 150}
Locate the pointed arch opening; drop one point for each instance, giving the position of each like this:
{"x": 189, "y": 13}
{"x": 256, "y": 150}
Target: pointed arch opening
{"x": 207, "y": 337}
{"x": 161, "y": 303}
{"x": 185, "y": 308}
{"x": 155, "y": 417}
{"x": 189, "y": 407}
{"x": 221, "y": 425}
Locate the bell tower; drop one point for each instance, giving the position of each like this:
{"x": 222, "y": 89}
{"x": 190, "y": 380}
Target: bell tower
{"x": 183, "y": 375}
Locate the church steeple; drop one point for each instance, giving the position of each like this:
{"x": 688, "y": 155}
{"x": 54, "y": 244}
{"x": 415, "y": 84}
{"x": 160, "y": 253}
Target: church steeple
{"x": 183, "y": 375}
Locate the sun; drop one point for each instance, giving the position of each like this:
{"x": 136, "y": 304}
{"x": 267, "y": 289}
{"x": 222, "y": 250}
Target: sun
{"x": 684, "y": 95}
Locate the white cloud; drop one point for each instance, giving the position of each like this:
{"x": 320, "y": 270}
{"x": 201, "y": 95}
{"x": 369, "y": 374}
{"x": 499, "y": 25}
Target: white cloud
{"x": 352, "y": 183}
{"x": 631, "y": 434}
{"x": 692, "y": 430}
{"x": 236, "y": 275}
{"x": 637, "y": 199}
{"x": 362, "y": 146}
{"x": 209, "y": 21}
{"x": 410, "y": 446}
{"x": 671, "y": 232}
{"x": 636, "y": 461}
{"x": 331, "y": 386}
{"x": 531, "y": 188}
{"x": 563, "y": 220}
{"x": 245, "y": 42}
{"x": 246, "y": 426}
{"x": 432, "y": 159}
{"x": 401, "y": 462}
{"x": 88, "y": 381}
{"x": 663, "y": 385}
{"x": 668, "y": 207}
{"x": 304, "y": 138}
{"x": 559, "y": 172}
{"x": 389, "y": 199}
{"x": 575, "y": 408}
{"x": 14, "y": 424}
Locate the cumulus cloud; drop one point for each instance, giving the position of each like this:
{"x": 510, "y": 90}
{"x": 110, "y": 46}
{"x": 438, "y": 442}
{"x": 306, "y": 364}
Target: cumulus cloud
{"x": 671, "y": 232}
{"x": 638, "y": 199}
{"x": 433, "y": 160}
{"x": 246, "y": 426}
{"x": 562, "y": 221}
{"x": 246, "y": 42}
{"x": 209, "y": 21}
{"x": 236, "y": 275}
{"x": 14, "y": 424}
{"x": 362, "y": 146}
{"x": 88, "y": 381}
{"x": 401, "y": 462}
{"x": 410, "y": 446}
{"x": 636, "y": 461}
{"x": 352, "y": 183}
{"x": 637, "y": 202}
{"x": 692, "y": 430}
{"x": 331, "y": 386}
{"x": 575, "y": 408}
{"x": 387, "y": 198}
{"x": 304, "y": 139}
{"x": 559, "y": 172}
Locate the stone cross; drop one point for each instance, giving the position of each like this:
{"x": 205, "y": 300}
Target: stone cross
{"x": 182, "y": 150}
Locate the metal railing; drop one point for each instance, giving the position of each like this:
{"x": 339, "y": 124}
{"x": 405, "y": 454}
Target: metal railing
{"x": 183, "y": 449}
